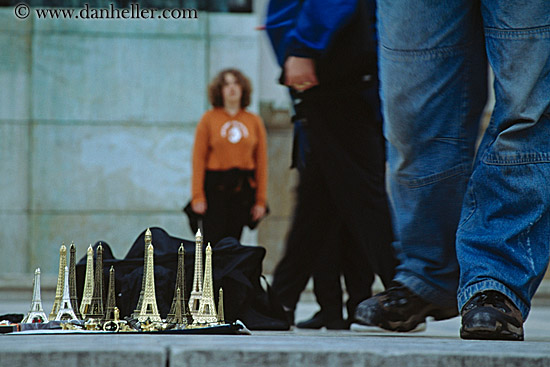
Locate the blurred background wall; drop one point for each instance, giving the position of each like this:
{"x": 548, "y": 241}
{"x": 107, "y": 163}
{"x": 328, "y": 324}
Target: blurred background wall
{"x": 97, "y": 120}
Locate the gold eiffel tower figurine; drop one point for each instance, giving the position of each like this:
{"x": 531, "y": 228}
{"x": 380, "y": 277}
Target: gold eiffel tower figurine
{"x": 72, "y": 281}
{"x": 179, "y": 311}
{"x": 88, "y": 292}
{"x": 207, "y": 309}
{"x": 96, "y": 305}
{"x": 36, "y": 313}
{"x": 149, "y": 309}
{"x": 66, "y": 311}
{"x": 148, "y": 241}
{"x": 221, "y": 316}
{"x": 60, "y": 281}
{"x": 196, "y": 291}
{"x": 111, "y": 301}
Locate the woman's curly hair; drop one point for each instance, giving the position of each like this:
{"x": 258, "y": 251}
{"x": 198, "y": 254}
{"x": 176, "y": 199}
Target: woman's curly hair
{"x": 215, "y": 87}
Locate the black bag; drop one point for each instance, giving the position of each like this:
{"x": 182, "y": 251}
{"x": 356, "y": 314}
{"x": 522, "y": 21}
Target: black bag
{"x": 236, "y": 268}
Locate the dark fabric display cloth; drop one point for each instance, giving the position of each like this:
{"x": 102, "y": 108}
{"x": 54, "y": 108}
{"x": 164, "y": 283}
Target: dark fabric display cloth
{"x": 235, "y": 268}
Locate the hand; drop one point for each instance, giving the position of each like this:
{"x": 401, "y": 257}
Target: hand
{"x": 199, "y": 208}
{"x": 257, "y": 212}
{"x": 300, "y": 73}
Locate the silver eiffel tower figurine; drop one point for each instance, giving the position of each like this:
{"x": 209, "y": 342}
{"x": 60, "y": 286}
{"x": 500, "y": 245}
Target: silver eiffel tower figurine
{"x": 36, "y": 313}
{"x": 207, "y": 309}
{"x": 196, "y": 291}
{"x": 66, "y": 311}
{"x": 60, "y": 281}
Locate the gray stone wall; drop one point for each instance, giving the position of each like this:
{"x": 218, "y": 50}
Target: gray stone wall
{"x": 97, "y": 120}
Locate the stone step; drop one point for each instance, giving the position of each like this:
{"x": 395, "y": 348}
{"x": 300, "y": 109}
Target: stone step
{"x": 266, "y": 349}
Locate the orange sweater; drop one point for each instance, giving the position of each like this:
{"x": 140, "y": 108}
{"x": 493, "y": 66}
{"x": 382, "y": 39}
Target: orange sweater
{"x": 223, "y": 142}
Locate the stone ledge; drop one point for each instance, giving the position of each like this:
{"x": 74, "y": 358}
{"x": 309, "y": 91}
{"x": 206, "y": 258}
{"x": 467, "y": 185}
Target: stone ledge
{"x": 266, "y": 349}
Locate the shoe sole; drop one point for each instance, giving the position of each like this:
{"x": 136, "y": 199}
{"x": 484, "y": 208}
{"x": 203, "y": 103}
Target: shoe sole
{"x": 492, "y": 333}
{"x": 375, "y": 329}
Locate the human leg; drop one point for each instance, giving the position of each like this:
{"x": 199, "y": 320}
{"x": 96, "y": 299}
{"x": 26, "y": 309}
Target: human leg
{"x": 502, "y": 239}
{"x": 326, "y": 282}
{"x": 433, "y": 89}
{"x": 306, "y": 236}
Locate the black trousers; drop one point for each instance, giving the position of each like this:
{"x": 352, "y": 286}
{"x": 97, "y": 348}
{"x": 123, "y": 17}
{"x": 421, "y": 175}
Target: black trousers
{"x": 229, "y": 199}
{"x": 342, "y": 221}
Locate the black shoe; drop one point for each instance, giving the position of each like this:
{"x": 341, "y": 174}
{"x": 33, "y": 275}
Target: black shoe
{"x": 289, "y": 314}
{"x": 399, "y": 309}
{"x": 490, "y": 315}
{"x": 318, "y": 322}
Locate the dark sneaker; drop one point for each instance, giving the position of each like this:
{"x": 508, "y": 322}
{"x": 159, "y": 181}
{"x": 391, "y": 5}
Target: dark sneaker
{"x": 490, "y": 315}
{"x": 318, "y": 322}
{"x": 399, "y": 309}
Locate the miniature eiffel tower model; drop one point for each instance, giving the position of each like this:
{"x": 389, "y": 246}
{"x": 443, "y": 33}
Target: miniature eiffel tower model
{"x": 148, "y": 309}
{"x": 72, "y": 281}
{"x": 111, "y": 302}
{"x": 148, "y": 241}
{"x": 66, "y": 311}
{"x": 179, "y": 311}
{"x": 96, "y": 305}
{"x": 196, "y": 291}
{"x": 60, "y": 281}
{"x": 207, "y": 309}
{"x": 221, "y": 316}
{"x": 88, "y": 292}
{"x": 36, "y": 313}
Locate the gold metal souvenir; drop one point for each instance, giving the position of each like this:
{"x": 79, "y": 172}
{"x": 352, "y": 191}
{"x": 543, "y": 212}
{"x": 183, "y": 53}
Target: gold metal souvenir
{"x": 60, "y": 281}
{"x": 96, "y": 305}
{"x": 88, "y": 292}
{"x": 72, "y": 281}
{"x": 148, "y": 310}
{"x": 196, "y": 291}
{"x": 179, "y": 311}
{"x": 207, "y": 308}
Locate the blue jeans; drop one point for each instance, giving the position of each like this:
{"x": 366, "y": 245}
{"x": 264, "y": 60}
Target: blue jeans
{"x": 465, "y": 225}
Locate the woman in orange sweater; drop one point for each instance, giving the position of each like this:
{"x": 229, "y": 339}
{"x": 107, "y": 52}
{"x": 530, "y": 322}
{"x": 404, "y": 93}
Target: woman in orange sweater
{"x": 229, "y": 181}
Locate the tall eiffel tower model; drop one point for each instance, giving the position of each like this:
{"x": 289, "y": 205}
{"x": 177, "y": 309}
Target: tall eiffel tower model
{"x": 111, "y": 302}
{"x": 66, "y": 311}
{"x": 60, "y": 281}
{"x": 88, "y": 292}
{"x": 96, "y": 305}
{"x": 148, "y": 241}
{"x": 196, "y": 291}
{"x": 148, "y": 309}
{"x": 207, "y": 309}
{"x": 36, "y": 313}
{"x": 179, "y": 311}
{"x": 72, "y": 281}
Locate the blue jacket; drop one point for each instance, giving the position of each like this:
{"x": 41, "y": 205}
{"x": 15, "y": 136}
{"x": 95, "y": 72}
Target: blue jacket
{"x": 338, "y": 34}
{"x": 305, "y": 27}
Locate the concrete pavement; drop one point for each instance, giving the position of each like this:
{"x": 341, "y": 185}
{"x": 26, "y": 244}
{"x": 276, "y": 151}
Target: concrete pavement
{"x": 439, "y": 345}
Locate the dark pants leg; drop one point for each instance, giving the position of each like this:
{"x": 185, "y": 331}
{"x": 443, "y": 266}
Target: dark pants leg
{"x": 224, "y": 218}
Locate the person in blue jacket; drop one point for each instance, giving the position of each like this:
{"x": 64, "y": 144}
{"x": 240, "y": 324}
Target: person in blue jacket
{"x": 342, "y": 224}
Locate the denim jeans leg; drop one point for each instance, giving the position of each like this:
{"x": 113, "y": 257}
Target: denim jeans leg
{"x": 503, "y": 236}
{"x": 433, "y": 88}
